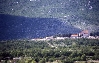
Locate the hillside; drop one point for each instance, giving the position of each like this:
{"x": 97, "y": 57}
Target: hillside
{"x": 81, "y": 14}
{"x": 17, "y": 27}
{"x": 64, "y": 51}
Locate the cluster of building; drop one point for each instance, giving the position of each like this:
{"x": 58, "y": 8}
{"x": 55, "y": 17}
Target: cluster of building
{"x": 83, "y": 34}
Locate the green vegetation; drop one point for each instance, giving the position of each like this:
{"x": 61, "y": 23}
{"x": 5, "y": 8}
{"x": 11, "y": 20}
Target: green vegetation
{"x": 58, "y": 51}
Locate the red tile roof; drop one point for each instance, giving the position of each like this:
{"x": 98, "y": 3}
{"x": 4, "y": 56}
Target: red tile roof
{"x": 74, "y": 35}
{"x": 85, "y": 32}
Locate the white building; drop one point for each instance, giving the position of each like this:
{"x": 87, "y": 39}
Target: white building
{"x": 85, "y": 33}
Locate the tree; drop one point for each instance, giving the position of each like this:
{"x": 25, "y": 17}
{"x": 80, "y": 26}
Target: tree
{"x": 42, "y": 61}
{"x": 51, "y": 59}
{"x": 83, "y": 57}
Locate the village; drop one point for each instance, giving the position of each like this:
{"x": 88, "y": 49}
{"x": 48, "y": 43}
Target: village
{"x": 83, "y": 34}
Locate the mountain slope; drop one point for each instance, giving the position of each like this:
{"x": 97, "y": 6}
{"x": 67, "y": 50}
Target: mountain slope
{"x": 16, "y": 27}
{"x": 83, "y": 14}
